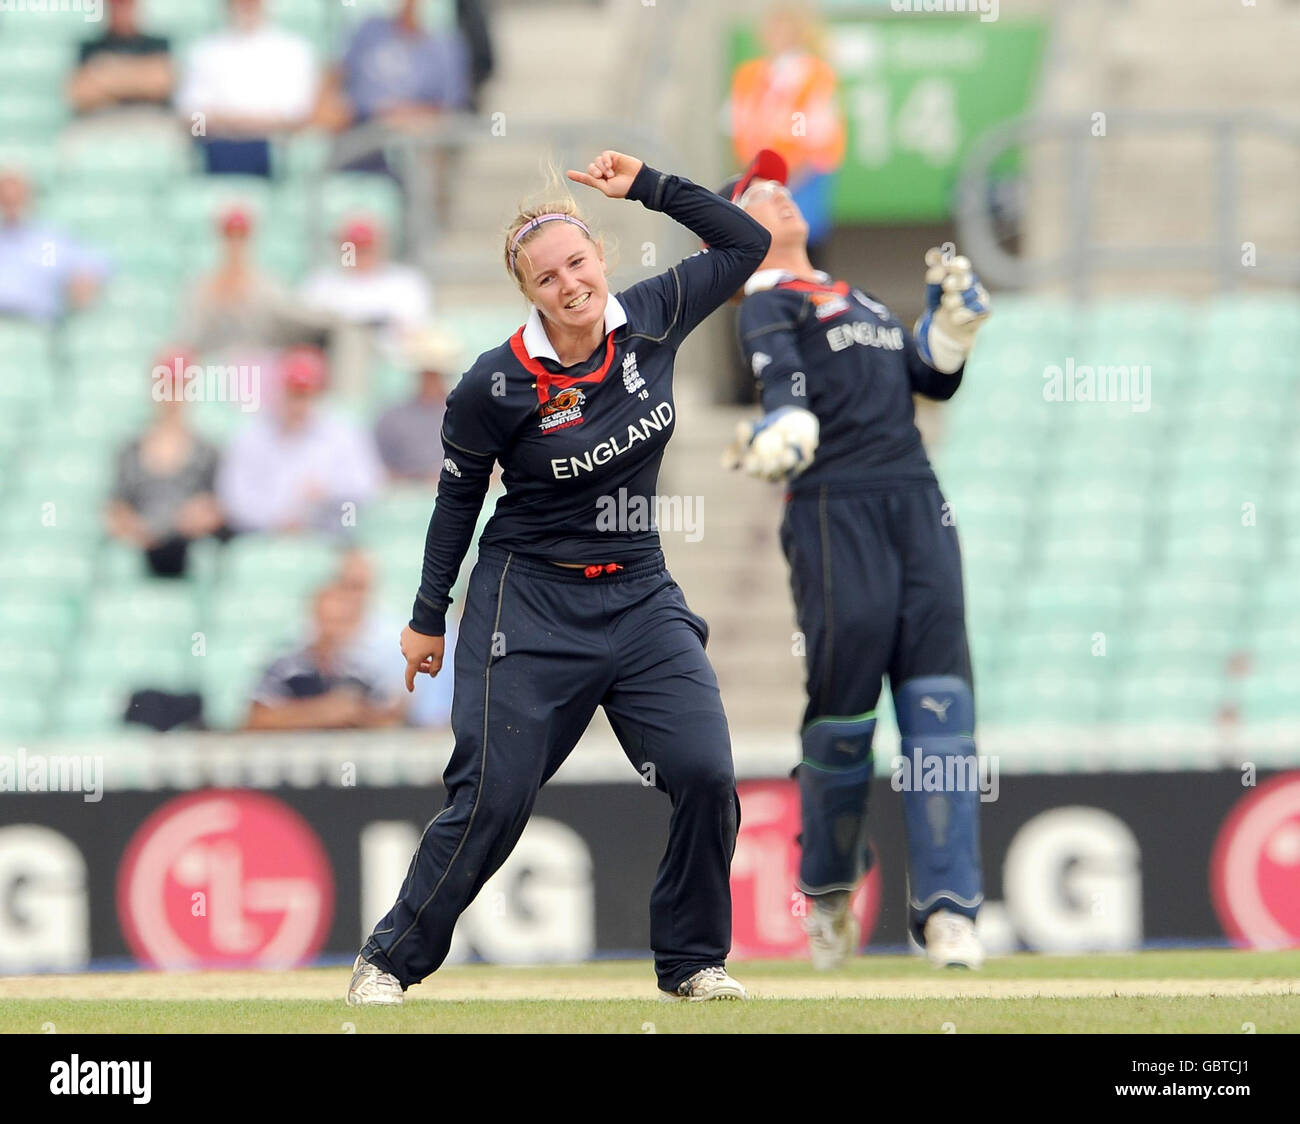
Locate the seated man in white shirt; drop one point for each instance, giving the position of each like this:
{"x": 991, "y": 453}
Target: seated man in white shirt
{"x": 296, "y": 467}
{"x": 240, "y": 86}
{"x": 370, "y": 289}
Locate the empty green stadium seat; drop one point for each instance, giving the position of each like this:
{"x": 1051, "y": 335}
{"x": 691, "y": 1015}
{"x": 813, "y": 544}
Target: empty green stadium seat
{"x": 93, "y": 709}
{"x": 140, "y": 661}
{"x": 1216, "y": 599}
{"x": 1274, "y": 318}
{"x": 29, "y": 662}
{"x": 1270, "y": 693}
{"x": 136, "y": 158}
{"x": 157, "y": 607}
{"x": 230, "y": 674}
{"x": 31, "y": 114}
{"x": 1049, "y": 696}
{"x": 1048, "y": 322}
{"x": 70, "y": 519}
{"x": 1236, "y": 356}
{"x": 288, "y": 565}
{"x": 1183, "y": 643}
{"x": 256, "y": 615}
{"x": 345, "y": 195}
{"x": 1173, "y": 695}
{"x": 1225, "y": 543}
{"x": 1275, "y": 598}
{"x": 35, "y": 65}
{"x": 1117, "y": 553}
{"x": 36, "y": 619}
{"x": 1276, "y": 640}
{"x": 1056, "y": 648}
{"x": 22, "y": 342}
{"x": 22, "y": 713}
{"x": 49, "y": 22}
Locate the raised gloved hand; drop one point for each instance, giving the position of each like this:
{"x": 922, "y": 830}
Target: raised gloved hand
{"x": 956, "y": 304}
{"x": 778, "y": 446}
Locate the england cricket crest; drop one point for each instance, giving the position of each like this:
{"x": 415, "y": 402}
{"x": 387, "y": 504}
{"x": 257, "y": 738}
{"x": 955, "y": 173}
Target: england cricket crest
{"x": 632, "y": 380}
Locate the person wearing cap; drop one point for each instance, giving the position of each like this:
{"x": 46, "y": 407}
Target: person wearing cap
{"x": 568, "y": 609}
{"x": 163, "y": 496}
{"x": 409, "y": 433}
{"x": 875, "y": 566}
{"x": 238, "y": 308}
{"x": 297, "y": 467}
{"x": 366, "y": 287}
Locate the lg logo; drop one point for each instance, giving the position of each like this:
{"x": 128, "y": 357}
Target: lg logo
{"x": 540, "y": 906}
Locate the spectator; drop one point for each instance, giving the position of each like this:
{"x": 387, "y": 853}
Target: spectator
{"x": 242, "y": 85}
{"x": 123, "y": 67}
{"x": 397, "y": 73}
{"x": 299, "y": 468}
{"x": 163, "y": 498}
{"x": 409, "y": 433}
{"x": 374, "y": 647}
{"x": 792, "y": 85}
{"x": 367, "y": 288}
{"x": 41, "y": 271}
{"x": 239, "y": 307}
{"x": 321, "y": 686}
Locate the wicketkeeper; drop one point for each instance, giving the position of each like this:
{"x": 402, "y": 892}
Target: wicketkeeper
{"x": 875, "y": 566}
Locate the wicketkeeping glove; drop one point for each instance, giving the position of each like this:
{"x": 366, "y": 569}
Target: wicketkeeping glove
{"x": 956, "y": 304}
{"x": 778, "y": 446}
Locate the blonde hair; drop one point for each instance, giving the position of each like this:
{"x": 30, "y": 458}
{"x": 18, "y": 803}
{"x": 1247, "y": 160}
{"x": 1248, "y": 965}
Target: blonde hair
{"x": 553, "y": 199}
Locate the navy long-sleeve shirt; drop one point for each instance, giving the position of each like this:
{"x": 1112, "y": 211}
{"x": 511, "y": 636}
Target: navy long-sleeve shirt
{"x": 836, "y": 351}
{"x": 581, "y": 442}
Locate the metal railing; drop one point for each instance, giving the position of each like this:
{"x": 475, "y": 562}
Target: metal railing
{"x": 1083, "y": 255}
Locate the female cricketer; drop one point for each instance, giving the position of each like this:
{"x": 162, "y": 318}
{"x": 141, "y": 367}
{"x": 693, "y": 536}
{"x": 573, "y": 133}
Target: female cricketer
{"x": 564, "y": 612}
{"x": 874, "y": 562}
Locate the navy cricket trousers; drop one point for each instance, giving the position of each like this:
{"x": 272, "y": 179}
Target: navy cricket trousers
{"x": 876, "y": 578}
{"x": 877, "y": 585}
{"x": 540, "y": 647}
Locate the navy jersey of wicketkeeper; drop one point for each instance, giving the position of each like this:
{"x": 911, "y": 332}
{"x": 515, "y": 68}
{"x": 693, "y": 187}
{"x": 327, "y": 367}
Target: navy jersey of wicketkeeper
{"x": 875, "y": 567}
{"x": 570, "y": 606}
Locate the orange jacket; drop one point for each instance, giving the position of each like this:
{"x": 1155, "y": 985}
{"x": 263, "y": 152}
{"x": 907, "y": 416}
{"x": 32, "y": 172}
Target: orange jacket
{"x": 767, "y": 93}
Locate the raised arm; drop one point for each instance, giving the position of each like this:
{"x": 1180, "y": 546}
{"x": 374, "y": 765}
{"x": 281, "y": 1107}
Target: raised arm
{"x": 956, "y": 305}
{"x": 699, "y": 284}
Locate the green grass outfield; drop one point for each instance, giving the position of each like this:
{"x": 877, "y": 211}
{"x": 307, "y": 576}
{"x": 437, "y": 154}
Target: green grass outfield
{"x": 1219, "y": 991}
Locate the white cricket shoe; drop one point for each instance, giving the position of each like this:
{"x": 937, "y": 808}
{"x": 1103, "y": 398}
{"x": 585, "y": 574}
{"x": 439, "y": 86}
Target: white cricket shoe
{"x": 371, "y": 986}
{"x": 707, "y": 983}
{"x": 950, "y": 941}
{"x": 832, "y": 932}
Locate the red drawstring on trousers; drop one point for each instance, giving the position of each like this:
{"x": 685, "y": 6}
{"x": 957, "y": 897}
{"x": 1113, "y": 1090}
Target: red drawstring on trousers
{"x": 596, "y": 571}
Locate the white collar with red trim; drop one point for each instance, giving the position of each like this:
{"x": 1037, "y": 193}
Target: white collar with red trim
{"x": 770, "y": 278}
{"x": 538, "y": 344}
